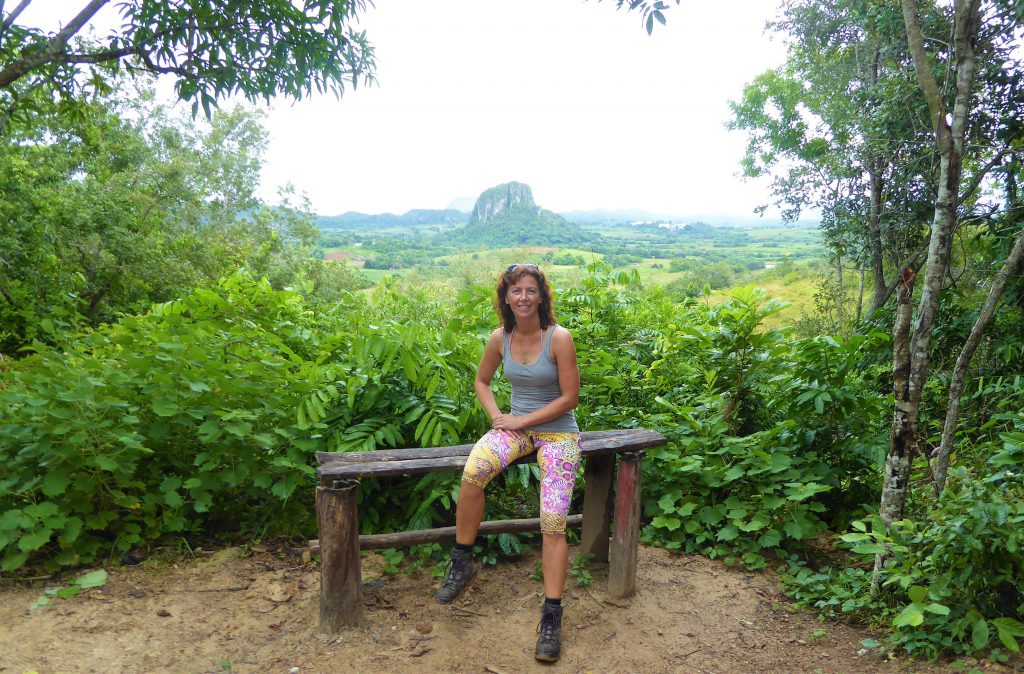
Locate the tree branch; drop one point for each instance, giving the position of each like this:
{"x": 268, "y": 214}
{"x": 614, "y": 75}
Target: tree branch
{"x": 922, "y": 64}
{"x": 100, "y": 57}
{"x": 9, "y": 21}
{"x": 909, "y": 264}
{"x": 980, "y": 175}
{"x": 956, "y": 386}
{"x": 54, "y": 49}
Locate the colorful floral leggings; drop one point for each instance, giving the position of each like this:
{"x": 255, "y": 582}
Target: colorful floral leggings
{"x": 558, "y": 455}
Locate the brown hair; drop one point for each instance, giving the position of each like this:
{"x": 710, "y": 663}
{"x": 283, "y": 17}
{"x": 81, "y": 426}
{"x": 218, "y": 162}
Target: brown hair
{"x": 510, "y": 276}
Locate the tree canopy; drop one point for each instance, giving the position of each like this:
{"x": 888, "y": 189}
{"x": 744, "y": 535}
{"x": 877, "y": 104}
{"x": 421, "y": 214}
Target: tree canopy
{"x": 213, "y": 48}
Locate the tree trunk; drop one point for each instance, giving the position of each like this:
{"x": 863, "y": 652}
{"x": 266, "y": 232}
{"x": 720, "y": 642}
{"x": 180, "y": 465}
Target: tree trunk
{"x": 956, "y": 387}
{"x": 904, "y": 427}
{"x": 840, "y": 290}
{"x": 860, "y": 293}
{"x": 875, "y": 166}
{"x": 879, "y": 292}
{"x": 949, "y": 138}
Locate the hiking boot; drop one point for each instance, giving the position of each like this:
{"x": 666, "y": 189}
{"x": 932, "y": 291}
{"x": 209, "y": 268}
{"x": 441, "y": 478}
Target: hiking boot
{"x": 461, "y": 570}
{"x": 549, "y": 643}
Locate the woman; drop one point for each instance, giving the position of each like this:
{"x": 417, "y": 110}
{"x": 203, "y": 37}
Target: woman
{"x": 539, "y": 360}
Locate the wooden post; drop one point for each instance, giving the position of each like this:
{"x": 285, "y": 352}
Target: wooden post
{"x": 597, "y": 506}
{"x": 626, "y": 533}
{"x": 341, "y": 582}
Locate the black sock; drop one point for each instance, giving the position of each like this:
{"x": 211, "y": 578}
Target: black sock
{"x": 553, "y": 602}
{"x": 464, "y": 548}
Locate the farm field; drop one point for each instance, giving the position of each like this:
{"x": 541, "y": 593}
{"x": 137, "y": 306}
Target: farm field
{"x": 785, "y": 261}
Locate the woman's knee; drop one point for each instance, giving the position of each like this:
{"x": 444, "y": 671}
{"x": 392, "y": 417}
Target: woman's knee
{"x": 552, "y": 523}
{"x": 470, "y": 490}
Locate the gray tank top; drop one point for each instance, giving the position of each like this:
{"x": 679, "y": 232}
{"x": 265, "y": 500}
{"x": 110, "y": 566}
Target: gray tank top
{"x": 535, "y": 385}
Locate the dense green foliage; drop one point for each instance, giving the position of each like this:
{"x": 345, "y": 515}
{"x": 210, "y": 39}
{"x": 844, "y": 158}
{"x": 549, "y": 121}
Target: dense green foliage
{"x": 126, "y": 204}
{"x": 212, "y": 49}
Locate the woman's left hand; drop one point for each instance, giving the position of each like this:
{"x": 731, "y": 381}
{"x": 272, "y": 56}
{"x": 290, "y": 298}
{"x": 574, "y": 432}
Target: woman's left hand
{"x": 507, "y": 422}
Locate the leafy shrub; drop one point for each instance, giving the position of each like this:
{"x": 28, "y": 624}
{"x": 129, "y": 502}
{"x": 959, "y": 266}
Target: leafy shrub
{"x": 165, "y": 422}
{"x": 725, "y": 495}
{"x": 953, "y": 580}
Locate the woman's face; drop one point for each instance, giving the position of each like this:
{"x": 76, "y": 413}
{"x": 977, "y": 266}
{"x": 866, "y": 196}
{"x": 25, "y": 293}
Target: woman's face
{"x": 523, "y": 296}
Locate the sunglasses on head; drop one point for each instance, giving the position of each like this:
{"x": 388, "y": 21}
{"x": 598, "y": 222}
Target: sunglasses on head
{"x": 528, "y": 265}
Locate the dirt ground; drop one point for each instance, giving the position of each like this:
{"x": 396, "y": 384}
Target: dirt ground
{"x": 257, "y": 611}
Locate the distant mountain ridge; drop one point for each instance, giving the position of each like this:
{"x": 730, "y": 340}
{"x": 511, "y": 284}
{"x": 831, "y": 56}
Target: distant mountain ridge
{"x": 459, "y": 213}
{"x": 417, "y": 216}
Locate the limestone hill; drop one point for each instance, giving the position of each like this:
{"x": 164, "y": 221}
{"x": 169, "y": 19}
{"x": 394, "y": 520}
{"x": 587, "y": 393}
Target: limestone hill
{"x": 506, "y": 215}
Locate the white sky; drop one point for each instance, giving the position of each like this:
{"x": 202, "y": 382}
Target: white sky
{"x": 570, "y": 97}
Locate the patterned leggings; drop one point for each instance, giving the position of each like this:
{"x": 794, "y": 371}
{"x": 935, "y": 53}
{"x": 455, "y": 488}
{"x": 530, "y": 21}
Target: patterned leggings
{"x": 558, "y": 455}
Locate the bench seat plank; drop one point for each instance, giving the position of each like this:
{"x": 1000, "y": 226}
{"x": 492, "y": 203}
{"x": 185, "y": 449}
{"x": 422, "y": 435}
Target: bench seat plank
{"x": 350, "y": 465}
{"x": 437, "y": 452}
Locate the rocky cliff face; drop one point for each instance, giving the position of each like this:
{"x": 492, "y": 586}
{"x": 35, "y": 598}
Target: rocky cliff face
{"x": 501, "y": 199}
{"x": 506, "y": 215}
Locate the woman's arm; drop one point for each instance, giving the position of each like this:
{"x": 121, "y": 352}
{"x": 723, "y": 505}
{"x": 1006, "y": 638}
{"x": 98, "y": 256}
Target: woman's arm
{"x": 563, "y": 350}
{"x": 485, "y": 372}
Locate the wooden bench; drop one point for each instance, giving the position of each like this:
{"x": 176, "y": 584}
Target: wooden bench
{"x": 341, "y": 587}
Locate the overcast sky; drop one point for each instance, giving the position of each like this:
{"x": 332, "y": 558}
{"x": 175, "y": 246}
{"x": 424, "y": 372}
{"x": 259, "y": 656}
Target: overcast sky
{"x": 572, "y": 98}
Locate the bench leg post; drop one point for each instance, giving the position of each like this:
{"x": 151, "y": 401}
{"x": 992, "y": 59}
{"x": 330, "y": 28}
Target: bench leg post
{"x": 626, "y": 533}
{"x": 597, "y": 506}
{"x": 341, "y": 583}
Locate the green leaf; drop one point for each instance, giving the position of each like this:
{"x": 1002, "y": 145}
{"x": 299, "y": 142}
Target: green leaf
{"x": 34, "y": 540}
{"x": 686, "y": 509}
{"x": 13, "y": 560}
{"x": 165, "y": 407}
{"x": 71, "y": 531}
{"x": 758, "y": 521}
{"x": 710, "y": 515}
{"x": 96, "y": 578}
{"x": 728, "y": 533}
{"x": 1009, "y": 641}
{"x": 170, "y": 483}
{"x": 42, "y": 511}
{"x": 911, "y": 616}
{"x": 794, "y": 529}
{"x": 1010, "y": 626}
{"x": 9, "y": 521}
{"x": 869, "y": 549}
{"x": 56, "y": 482}
{"x": 917, "y": 594}
{"x": 734, "y": 473}
{"x": 980, "y": 635}
{"x": 210, "y": 430}
{"x": 770, "y": 539}
{"x": 937, "y": 609}
{"x": 670, "y": 523}
{"x": 107, "y": 463}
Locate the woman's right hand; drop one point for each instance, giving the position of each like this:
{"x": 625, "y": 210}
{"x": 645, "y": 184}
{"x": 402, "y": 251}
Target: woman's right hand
{"x": 506, "y": 422}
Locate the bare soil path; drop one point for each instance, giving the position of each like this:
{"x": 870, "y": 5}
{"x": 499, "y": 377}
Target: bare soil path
{"x": 257, "y": 612}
